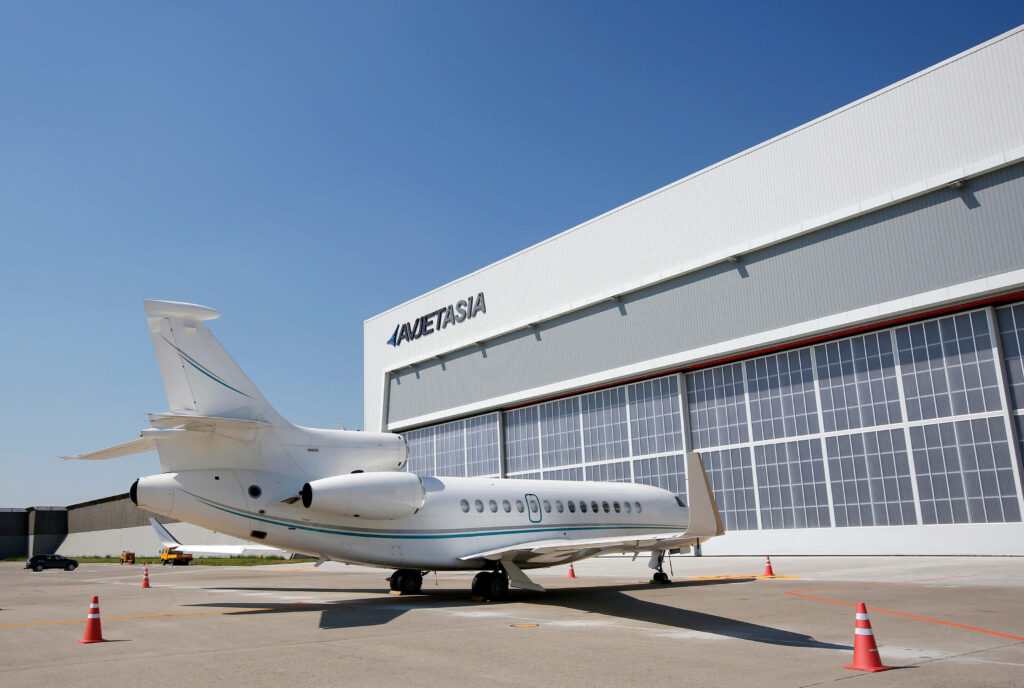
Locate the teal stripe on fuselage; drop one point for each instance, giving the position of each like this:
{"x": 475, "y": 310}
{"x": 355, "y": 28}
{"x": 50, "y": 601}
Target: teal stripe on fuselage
{"x": 475, "y": 533}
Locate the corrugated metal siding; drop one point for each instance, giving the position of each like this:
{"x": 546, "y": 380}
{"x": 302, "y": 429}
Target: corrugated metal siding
{"x": 958, "y": 117}
{"x": 108, "y": 514}
{"x": 935, "y": 241}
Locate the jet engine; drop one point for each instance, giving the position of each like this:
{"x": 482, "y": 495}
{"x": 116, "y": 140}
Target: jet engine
{"x": 154, "y": 492}
{"x": 386, "y": 495}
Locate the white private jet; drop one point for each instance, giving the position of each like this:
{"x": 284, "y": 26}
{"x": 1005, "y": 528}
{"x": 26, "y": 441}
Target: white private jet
{"x": 232, "y": 464}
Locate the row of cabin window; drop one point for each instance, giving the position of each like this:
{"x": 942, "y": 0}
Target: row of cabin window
{"x": 520, "y": 507}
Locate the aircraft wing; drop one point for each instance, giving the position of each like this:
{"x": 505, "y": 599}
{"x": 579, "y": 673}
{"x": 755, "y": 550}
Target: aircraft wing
{"x": 705, "y": 522}
{"x": 168, "y": 540}
{"x": 555, "y": 551}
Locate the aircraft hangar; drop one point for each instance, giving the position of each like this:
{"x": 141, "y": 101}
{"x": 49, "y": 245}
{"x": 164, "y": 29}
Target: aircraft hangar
{"x": 834, "y": 319}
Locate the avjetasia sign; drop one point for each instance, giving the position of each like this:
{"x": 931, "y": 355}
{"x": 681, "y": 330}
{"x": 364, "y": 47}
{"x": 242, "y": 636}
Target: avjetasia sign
{"x": 438, "y": 320}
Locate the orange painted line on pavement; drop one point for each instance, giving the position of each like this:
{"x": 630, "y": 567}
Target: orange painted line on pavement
{"x": 799, "y": 593}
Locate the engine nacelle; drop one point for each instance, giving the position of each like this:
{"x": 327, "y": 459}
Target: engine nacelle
{"x": 386, "y": 496}
{"x": 154, "y": 492}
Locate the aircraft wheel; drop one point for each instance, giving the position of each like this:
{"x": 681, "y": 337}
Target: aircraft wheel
{"x": 661, "y": 577}
{"x": 411, "y": 582}
{"x": 482, "y": 584}
{"x": 498, "y": 588}
{"x": 396, "y": 580}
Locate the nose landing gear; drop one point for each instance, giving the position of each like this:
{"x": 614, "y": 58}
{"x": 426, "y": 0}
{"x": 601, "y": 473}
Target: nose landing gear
{"x": 658, "y": 563}
{"x": 406, "y": 581}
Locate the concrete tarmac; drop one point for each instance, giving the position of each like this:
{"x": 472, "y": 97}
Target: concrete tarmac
{"x": 939, "y": 621}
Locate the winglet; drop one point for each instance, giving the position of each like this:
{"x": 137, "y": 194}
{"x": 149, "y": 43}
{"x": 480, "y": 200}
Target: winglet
{"x": 705, "y": 520}
{"x": 164, "y": 535}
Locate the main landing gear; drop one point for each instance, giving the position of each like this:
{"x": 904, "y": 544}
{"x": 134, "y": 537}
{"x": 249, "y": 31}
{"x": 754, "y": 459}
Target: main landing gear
{"x": 491, "y": 585}
{"x": 407, "y": 581}
{"x": 658, "y": 563}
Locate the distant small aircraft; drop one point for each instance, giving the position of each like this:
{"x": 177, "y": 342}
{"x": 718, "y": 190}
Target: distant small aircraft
{"x": 172, "y": 543}
{"x": 232, "y": 464}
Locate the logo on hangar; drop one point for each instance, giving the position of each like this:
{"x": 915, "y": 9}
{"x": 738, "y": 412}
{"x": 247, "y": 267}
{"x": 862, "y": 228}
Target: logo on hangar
{"x": 429, "y": 323}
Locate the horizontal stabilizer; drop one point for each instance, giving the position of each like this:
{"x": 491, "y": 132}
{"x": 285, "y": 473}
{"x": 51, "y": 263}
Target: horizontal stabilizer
{"x": 143, "y": 444}
{"x": 203, "y": 423}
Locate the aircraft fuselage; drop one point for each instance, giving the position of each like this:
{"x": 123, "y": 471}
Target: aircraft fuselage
{"x": 458, "y": 517}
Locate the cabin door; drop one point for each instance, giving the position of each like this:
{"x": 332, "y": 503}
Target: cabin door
{"x": 533, "y": 508}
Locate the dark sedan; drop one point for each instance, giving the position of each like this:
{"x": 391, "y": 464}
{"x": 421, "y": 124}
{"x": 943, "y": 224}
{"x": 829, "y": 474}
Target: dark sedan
{"x": 50, "y": 561}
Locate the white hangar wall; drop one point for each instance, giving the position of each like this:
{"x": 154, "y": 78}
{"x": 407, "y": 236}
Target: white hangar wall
{"x": 957, "y": 119}
{"x": 829, "y": 318}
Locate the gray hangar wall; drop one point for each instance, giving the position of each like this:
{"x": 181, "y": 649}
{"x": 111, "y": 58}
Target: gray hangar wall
{"x": 939, "y": 240}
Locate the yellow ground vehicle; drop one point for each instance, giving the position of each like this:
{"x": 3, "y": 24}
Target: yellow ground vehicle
{"x": 127, "y": 557}
{"x": 174, "y": 557}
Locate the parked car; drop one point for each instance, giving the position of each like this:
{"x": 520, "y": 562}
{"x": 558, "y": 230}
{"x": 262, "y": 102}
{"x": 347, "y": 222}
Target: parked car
{"x": 50, "y": 561}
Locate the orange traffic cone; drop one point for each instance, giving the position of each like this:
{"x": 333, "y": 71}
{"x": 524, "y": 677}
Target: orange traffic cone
{"x": 93, "y": 632}
{"x": 865, "y": 652}
{"x": 768, "y": 566}
{"x": 572, "y": 572}
{"x": 145, "y": 578}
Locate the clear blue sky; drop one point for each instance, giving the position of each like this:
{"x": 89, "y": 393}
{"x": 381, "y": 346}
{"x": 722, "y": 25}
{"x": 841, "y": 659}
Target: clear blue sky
{"x": 303, "y": 166}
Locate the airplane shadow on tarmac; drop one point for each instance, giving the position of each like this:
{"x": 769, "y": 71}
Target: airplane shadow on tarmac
{"x": 607, "y": 600}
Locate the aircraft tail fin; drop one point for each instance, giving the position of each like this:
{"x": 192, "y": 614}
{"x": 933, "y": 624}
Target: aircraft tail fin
{"x": 164, "y": 535}
{"x": 199, "y": 376}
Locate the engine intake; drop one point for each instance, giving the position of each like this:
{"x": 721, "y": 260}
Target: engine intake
{"x": 385, "y": 496}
